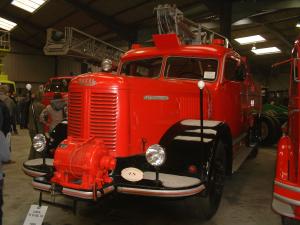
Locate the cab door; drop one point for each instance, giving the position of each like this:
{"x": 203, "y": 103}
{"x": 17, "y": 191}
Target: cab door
{"x": 234, "y": 95}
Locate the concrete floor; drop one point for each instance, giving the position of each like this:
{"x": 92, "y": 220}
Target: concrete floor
{"x": 246, "y": 199}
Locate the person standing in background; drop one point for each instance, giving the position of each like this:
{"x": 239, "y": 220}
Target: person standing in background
{"x": 4, "y": 148}
{"x": 14, "y": 113}
{"x": 54, "y": 113}
{"x": 9, "y": 104}
{"x": 34, "y": 124}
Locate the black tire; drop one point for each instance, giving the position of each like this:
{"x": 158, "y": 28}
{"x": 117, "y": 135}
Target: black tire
{"x": 253, "y": 153}
{"x": 289, "y": 221}
{"x": 214, "y": 191}
{"x": 278, "y": 131}
{"x": 268, "y": 130}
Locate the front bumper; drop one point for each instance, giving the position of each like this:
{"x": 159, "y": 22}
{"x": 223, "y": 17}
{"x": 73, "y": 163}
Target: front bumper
{"x": 286, "y": 199}
{"x": 167, "y": 187}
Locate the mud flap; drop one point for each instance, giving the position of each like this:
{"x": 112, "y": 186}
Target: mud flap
{"x": 38, "y": 167}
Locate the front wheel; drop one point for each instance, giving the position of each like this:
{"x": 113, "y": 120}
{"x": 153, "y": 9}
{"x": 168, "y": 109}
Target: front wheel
{"x": 289, "y": 221}
{"x": 216, "y": 181}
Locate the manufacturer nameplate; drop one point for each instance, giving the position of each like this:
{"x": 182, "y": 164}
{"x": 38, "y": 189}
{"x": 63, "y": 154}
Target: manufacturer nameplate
{"x": 155, "y": 97}
{"x": 86, "y": 82}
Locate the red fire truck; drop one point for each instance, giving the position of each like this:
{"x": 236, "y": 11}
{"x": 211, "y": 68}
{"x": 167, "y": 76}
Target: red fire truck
{"x": 56, "y": 85}
{"x": 173, "y": 122}
{"x": 286, "y": 196}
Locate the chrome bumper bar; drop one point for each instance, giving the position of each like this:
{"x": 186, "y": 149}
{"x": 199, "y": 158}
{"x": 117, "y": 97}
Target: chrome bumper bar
{"x": 161, "y": 193}
{"x": 88, "y": 195}
{"x": 167, "y": 193}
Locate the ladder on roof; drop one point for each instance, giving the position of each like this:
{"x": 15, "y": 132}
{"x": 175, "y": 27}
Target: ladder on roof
{"x": 171, "y": 20}
{"x": 73, "y": 42}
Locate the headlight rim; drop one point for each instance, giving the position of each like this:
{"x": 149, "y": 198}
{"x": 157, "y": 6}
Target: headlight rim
{"x": 107, "y": 64}
{"x": 39, "y": 137}
{"x": 160, "y": 150}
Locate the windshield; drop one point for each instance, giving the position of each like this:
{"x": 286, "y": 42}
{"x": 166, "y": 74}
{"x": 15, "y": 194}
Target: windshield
{"x": 142, "y": 68}
{"x": 191, "y": 68}
{"x": 58, "y": 85}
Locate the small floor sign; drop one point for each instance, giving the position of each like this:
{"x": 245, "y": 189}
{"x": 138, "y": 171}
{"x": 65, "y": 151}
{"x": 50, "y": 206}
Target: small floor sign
{"x": 35, "y": 215}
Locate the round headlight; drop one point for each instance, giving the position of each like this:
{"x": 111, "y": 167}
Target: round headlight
{"x": 156, "y": 155}
{"x": 39, "y": 142}
{"x": 106, "y": 65}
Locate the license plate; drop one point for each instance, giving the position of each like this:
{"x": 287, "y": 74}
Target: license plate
{"x": 132, "y": 174}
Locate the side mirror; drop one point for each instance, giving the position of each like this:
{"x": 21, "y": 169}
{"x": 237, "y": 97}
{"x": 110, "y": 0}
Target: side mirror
{"x": 240, "y": 73}
{"x": 296, "y": 64}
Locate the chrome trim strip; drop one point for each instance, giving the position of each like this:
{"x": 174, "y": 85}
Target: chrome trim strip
{"x": 287, "y": 200}
{"x": 161, "y": 193}
{"x": 32, "y": 173}
{"x": 80, "y": 194}
{"x": 192, "y": 138}
{"x": 282, "y": 208}
{"x": 40, "y": 186}
{"x": 206, "y": 123}
{"x": 286, "y": 186}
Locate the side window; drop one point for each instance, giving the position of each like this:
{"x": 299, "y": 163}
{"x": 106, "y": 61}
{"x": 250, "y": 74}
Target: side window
{"x": 142, "y": 68}
{"x": 234, "y": 70}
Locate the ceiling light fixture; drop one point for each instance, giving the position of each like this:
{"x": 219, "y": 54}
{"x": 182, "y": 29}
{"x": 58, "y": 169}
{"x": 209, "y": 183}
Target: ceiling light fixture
{"x": 28, "y": 5}
{"x": 298, "y": 25}
{"x": 265, "y": 51}
{"x": 250, "y": 39}
{"x": 6, "y": 24}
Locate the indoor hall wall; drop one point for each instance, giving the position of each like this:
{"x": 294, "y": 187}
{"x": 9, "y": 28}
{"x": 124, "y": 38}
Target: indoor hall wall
{"x": 28, "y": 68}
{"x": 67, "y": 66}
{"x": 25, "y": 64}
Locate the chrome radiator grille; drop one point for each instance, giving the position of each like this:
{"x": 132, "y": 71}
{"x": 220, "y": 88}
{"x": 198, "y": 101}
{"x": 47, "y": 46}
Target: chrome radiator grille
{"x": 75, "y": 115}
{"x": 93, "y": 114}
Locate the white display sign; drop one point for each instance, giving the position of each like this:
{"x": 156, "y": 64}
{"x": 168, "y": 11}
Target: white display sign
{"x": 211, "y": 75}
{"x": 35, "y": 215}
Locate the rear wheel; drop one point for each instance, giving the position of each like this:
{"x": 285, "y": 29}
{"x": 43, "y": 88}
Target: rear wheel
{"x": 268, "y": 130}
{"x": 289, "y": 221}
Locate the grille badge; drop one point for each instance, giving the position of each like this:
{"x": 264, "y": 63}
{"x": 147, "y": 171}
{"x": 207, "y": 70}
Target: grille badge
{"x": 86, "y": 81}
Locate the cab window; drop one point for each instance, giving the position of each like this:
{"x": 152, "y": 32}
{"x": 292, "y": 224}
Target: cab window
{"x": 142, "y": 68}
{"x": 58, "y": 85}
{"x": 234, "y": 70}
{"x": 191, "y": 68}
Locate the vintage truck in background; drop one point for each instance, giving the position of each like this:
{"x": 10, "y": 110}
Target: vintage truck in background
{"x": 56, "y": 85}
{"x": 286, "y": 196}
{"x": 173, "y": 122}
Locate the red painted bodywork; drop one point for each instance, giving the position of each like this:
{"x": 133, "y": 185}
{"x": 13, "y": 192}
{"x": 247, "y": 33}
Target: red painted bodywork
{"x": 114, "y": 108}
{"x": 287, "y": 179}
{"x": 48, "y": 95}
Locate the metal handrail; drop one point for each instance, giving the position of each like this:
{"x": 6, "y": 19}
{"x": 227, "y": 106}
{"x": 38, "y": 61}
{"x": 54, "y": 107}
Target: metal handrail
{"x": 171, "y": 20}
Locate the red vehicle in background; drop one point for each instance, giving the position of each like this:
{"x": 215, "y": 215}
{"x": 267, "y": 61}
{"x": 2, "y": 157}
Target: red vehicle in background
{"x": 173, "y": 122}
{"x": 56, "y": 85}
{"x": 286, "y": 196}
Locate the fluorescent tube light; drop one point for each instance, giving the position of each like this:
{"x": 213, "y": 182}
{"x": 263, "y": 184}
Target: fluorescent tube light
{"x": 28, "y": 5}
{"x": 6, "y": 24}
{"x": 250, "y": 39}
{"x": 264, "y": 51}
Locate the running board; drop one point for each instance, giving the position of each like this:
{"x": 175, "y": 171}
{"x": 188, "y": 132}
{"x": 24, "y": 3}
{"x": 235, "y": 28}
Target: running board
{"x": 240, "y": 157}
